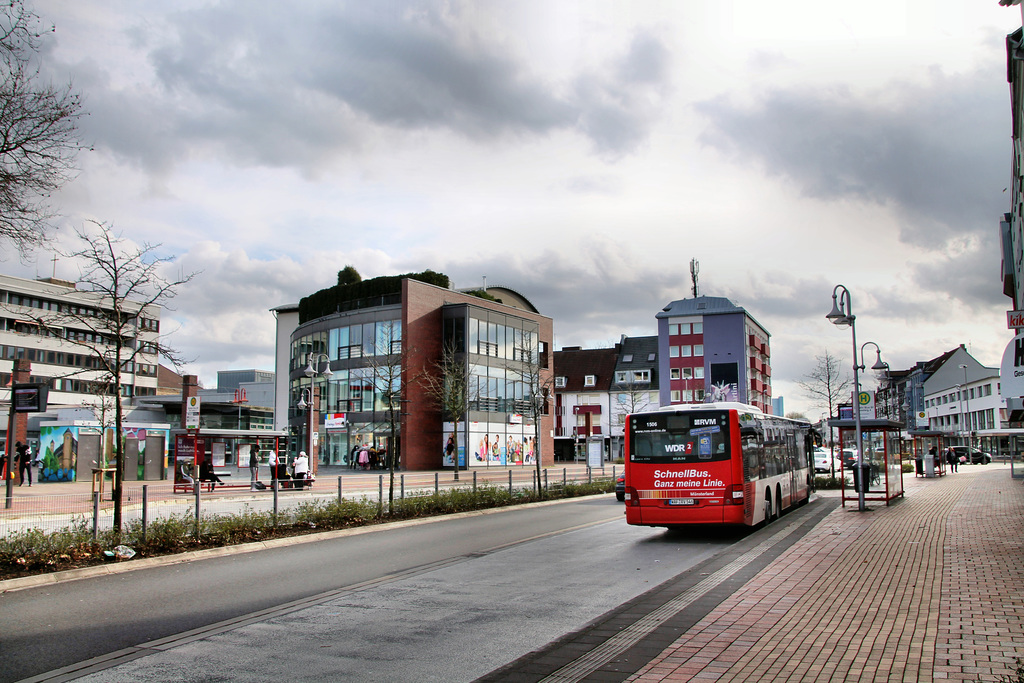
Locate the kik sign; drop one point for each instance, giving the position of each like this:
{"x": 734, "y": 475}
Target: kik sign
{"x": 1011, "y": 371}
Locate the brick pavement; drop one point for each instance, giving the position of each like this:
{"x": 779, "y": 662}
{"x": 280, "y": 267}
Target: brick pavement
{"x": 929, "y": 588}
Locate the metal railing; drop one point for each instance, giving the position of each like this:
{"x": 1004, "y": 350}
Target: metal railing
{"x": 52, "y": 513}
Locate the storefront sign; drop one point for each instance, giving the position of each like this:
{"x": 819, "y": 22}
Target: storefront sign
{"x": 1011, "y": 370}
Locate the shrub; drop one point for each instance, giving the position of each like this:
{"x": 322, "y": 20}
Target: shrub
{"x": 828, "y": 482}
{"x": 35, "y": 550}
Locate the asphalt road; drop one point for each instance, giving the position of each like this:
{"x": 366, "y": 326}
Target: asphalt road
{"x": 450, "y": 599}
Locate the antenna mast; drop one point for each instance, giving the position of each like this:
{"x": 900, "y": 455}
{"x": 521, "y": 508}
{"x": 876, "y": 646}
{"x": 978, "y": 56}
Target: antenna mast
{"x": 694, "y": 269}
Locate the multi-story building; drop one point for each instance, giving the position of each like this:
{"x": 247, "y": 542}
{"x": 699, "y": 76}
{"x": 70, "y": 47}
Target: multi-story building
{"x": 583, "y": 378}
{"x": 40, "y": 320}
{"x": 363, "y": 332}
{"x": 712, "y": 350}
{"x": 634, "y": 386}
{"x": 962, "y": 400}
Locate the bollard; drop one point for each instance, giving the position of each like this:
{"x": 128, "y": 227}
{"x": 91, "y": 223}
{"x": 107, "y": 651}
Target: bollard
{"x": 437, "y": 480}
{"x": 401, "y": 484}
{"x": 277, "y": 487}
{"x": 590, "y": 476}
{"x": 474, "y": 481}
{"x": 339, "y": 489}
{"x": 145, "y": 509}
{"x": 510, "y": 482}
{"x": 95, "y": 515}
{"x": 545, "y": 480}
{"x": 564, "y": 477}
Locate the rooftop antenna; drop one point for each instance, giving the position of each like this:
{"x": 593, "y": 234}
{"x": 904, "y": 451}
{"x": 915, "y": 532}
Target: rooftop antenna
{"x": 694, "y": 269}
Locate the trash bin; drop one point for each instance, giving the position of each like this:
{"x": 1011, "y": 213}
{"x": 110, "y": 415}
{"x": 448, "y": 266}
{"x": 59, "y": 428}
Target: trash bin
{"x": 861, "y": 473}
{"x": 919, "y": 467}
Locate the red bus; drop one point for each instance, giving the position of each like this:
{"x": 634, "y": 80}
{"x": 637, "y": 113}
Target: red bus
{"x": 715, "y": 463}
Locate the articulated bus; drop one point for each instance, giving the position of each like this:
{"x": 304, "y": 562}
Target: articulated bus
{"x": 715, "y": 463}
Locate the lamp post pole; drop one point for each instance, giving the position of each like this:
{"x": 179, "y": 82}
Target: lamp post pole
{"x": 966, "y": 402}
{"x": 842, "y": 315}
{"x": 312, "y": 371}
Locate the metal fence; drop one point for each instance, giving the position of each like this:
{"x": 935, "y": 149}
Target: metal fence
{"x": 52, "y": 513}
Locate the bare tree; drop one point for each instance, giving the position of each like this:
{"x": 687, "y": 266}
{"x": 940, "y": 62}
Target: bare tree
{"x": 392, "y": 376}
{"x": 449, "y": 389}
{"x": 38, "y": 131}
{"x": 628, "y": 397}
{"x": 128, "y": 286}
{"x": 826, "y": 385}
{"x": 528, "y": 370}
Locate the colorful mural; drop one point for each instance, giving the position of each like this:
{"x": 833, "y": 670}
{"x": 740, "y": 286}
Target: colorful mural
{"x": 60, "y": 447}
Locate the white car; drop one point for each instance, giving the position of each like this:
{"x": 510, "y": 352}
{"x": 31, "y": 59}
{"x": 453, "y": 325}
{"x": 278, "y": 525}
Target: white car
{"x": 823, "y": 462}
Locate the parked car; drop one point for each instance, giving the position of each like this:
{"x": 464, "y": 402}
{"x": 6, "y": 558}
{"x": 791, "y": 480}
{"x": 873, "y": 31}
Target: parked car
{"x": 620, "y": 488}
{"x": 823, "y": 462}
{"x": 977, "y": 457}
{"x": 849, "y": 458}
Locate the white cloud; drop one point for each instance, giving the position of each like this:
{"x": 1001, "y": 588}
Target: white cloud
{"x": 581, "y": 154}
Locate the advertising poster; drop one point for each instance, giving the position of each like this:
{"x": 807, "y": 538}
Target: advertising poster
{"x": 725, "y": 380}
{"x": 490, "y": 444}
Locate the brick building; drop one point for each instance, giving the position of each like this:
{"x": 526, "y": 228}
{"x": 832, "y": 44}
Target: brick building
{"x": 405, "y": 323}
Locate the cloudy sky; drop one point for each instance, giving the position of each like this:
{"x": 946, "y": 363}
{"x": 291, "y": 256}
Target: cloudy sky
{"x": 581, "y": 153}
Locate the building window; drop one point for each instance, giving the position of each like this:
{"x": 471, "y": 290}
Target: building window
{"x": 698, "y": 372}
{"x": 559, "y": 382}
{"x": 628, "y": 358}
{"x": 674, "y": 373}
{"x": 698, "y": 328}
{"x": 676, "y": 396}
{"x": 673, "y": 352}
{"x": 698, "y": 350}
{"x": 686, "y": 351}
{"x": 590, "y": 380}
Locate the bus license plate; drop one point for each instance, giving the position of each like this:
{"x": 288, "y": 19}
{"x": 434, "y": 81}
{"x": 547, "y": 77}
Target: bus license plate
{"x": 682, "y": 501}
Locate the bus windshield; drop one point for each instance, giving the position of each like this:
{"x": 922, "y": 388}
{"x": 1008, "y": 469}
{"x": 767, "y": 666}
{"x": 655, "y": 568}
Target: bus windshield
{"x": 664, "y": 438}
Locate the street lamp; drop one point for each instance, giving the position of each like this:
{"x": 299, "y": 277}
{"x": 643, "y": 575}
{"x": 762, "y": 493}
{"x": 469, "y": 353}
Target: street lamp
{"x": 842, "y": 315}
{"x": 312, "y": 371}
{"x": 967, "y": 410}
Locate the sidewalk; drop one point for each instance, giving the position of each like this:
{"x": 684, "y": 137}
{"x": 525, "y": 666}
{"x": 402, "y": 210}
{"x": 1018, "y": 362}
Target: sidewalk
{"x": 929, "y": 588}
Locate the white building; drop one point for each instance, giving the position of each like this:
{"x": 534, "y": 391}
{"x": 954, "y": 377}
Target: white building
{"x": 29, "y": 310}
{"x": 963, "y": 401}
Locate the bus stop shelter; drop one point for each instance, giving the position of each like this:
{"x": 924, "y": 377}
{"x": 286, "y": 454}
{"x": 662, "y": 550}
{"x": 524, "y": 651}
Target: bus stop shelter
{"x": 928, "y": 462}
{"x": 883, "y": 462}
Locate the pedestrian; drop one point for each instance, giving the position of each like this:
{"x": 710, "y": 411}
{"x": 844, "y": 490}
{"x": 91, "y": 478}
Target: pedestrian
{"x": 449, "y": 448}
{"x": 355, "y": 456}
{"x": 206, "y": 473}
{"x": 300, "y": 469}
{"x": 254, "y": 466}
{"x": 951, "y": 458}
{"x": 24, "y": 462}
{"x": 272, "y": 461}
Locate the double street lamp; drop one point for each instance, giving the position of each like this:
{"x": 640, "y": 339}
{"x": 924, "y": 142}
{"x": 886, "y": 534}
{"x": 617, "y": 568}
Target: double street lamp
{"x": 842, "y": 315}
{"x": 313, "y": 363}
